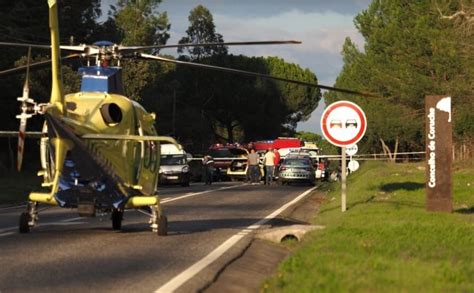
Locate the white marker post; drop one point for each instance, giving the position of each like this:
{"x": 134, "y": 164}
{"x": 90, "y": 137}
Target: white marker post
{"x": 343, "y": 124}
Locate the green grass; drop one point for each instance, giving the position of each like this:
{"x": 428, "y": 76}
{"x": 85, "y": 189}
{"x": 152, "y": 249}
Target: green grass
{"x": 386, "y": 240}
{"x": 15, "y": 186}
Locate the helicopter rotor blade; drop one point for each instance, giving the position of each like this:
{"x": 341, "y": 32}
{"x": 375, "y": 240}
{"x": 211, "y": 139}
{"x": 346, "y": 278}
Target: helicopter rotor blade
{"x": 140, "y": 48}
{"x": 254, "y": 74}
{"x": 86, "y": 49}
{"x": 8, "y": 44}
{"x": 36, "y": 65}
{"x": 24, "y": 99}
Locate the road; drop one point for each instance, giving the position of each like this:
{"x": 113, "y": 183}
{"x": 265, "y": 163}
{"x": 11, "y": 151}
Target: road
{"x": 208, "y": 227}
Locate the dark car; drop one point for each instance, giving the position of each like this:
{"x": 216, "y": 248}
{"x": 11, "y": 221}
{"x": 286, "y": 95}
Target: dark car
{"x": 297, "y": 169}
{"x": 223, "y": 158}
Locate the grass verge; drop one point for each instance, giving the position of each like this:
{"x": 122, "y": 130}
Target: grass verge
{"x": 386, "y": 240}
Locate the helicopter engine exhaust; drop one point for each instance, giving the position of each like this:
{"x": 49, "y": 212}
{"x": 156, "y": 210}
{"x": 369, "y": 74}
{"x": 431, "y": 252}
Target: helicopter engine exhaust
{"x": 111, "y": 113}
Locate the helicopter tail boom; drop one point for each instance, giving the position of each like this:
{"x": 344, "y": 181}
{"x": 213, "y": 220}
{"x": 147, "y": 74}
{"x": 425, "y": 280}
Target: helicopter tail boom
{"x": 57, "y": 95}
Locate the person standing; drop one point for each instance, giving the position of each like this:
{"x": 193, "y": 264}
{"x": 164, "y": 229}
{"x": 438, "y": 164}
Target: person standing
{"x": 252, "y": 163}
{"x": 276, "y": 162}
{"x": 269, "y": 163}
{"x": 208, "y": 163}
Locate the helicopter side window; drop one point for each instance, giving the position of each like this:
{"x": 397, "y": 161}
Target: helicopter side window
{"x": 154, "y": 155}
{"x": 147, "y": 157}
{"x": 151, "y": 153}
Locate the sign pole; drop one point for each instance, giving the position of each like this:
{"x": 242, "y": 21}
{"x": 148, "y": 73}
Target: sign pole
{"x": 343, "y": 124}
{"x": 343, "y": 179}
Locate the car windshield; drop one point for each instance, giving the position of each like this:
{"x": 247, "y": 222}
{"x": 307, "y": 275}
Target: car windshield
{"x": 170, "y": 160}
{"x": 297, "y": 163}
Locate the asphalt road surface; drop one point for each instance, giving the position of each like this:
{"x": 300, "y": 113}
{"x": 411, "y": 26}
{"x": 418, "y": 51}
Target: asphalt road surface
{"x": 208, "y": 227}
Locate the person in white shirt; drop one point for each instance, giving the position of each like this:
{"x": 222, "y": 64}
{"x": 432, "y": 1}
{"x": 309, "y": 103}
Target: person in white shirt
{"x": 269, "y": 162}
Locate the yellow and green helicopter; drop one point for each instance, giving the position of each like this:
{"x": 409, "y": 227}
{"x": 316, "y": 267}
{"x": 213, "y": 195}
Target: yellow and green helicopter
{"x": 99, "y": 149}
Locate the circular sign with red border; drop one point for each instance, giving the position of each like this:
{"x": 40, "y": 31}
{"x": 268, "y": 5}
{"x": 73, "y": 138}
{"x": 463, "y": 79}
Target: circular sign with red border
{"x": 343, "y": 123}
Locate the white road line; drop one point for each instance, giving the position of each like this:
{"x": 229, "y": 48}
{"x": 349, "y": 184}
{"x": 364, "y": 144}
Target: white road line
{"x": 71, "y": 221}
{"x": 13, "y": 207}
{"x": 170, "y": 199}
{"x": 9, "y": 231}
{"x": 194, "y": 269}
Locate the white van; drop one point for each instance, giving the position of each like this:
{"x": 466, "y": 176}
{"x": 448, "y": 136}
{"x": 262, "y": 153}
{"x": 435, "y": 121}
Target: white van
{"x": 174, "y": 168}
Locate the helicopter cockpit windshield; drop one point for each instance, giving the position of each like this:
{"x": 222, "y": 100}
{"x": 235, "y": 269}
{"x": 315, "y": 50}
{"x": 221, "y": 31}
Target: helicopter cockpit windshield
{"x": 101, "y": 79}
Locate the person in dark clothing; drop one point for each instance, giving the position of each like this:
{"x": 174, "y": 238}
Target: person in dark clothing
{"x": 253, "y": 169}
{"x": 208, "y": 164}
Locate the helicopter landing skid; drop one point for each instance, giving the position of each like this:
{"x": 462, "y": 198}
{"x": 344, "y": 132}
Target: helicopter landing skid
{"x": 158, "y": 222}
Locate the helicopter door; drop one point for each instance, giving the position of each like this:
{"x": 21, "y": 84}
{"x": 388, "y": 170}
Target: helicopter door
{"x": 139, "y": 154}
{"x": 46, "y": 155}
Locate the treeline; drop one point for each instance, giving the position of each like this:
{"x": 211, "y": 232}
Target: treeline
{"x": 197, "y": 106}
{"x": 412, "y": 49}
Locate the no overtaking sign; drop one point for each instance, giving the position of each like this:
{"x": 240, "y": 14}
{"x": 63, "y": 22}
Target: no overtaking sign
{"x": 343, "y": 123}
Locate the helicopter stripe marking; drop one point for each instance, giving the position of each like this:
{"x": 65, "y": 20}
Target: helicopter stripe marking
{"x": 170, "y": 199}
{"x": 197, "y": 267}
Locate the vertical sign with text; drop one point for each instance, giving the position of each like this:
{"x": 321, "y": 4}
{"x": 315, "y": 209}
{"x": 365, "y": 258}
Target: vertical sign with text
{"x": 438, "y": 153}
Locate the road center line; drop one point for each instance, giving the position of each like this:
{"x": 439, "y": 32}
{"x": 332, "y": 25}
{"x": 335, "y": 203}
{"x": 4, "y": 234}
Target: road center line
{"x": 170, "y": 199}
{"x": 7, "y": 231}
{"x": 13, "y": 207}
{"x": 194, "y": 269}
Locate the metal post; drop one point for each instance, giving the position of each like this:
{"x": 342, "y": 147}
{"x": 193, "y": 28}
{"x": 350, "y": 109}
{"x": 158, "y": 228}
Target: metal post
{"x": 174, "y": 113}
{"x": 343, "y": 179}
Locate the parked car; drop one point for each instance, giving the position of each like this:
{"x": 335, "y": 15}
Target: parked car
{"x": 174, "y": 168}
{"x": 222, "y": 159}
{"x": 238, "y": 168}
{"x": 296, "y": 168}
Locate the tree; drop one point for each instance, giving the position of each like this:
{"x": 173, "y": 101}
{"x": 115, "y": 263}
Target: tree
{"x": 202, "y": 30}
{"x": 325, "y": 147}
{"x": 409, "y": 52}
{"x": 26, "y": 21}
{"x": 237, "y": 108}
{"x": 140, "y": 24}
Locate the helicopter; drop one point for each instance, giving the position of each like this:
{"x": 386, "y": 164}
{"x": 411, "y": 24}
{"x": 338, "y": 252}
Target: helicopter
{"x": 99, "y": 150}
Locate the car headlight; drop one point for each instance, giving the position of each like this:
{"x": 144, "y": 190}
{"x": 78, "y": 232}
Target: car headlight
{"x": 185, "y": 169}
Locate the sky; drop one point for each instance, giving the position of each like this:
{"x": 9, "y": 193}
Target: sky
{"x": 321, "y": 26}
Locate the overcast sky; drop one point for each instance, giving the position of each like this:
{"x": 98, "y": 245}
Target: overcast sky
{"x": 321, "y": 25}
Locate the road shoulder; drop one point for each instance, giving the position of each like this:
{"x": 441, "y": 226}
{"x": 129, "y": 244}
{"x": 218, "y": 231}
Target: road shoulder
{"x": 261, "y": 258}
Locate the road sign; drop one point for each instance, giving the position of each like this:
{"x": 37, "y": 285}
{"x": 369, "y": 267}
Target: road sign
{"x": 439, "y": 156}
{"x": 343, "y": 123}
{"x": 353, "y": 165}
{"x": 351, "y": 150}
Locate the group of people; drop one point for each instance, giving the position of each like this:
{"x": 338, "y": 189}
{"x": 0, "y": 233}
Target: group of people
{"x": 271, "y": 160}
